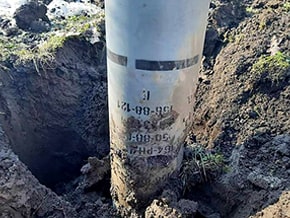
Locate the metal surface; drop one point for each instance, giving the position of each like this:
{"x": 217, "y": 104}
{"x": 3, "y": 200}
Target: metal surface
{"x": 154, "y": 53}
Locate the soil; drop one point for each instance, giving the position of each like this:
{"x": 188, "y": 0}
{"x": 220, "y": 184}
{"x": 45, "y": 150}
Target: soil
{"x": 57, "y": 115}
{"x": 53, "y": 117}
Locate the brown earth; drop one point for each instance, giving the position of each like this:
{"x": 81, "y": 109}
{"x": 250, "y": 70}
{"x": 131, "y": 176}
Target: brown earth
{"x": 59, "y": 114}
{"x": 244, "y": 114}
{"x": 55, "y": 117}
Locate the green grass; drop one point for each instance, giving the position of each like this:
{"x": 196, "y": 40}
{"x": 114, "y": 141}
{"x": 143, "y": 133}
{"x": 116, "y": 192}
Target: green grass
{"x": 200, "y": 162}
{"x": 80, "y": 24}
{"x": 53, "y": 43}
{"x": 45, "y": 51}
{"x": 271, "y": 63}
{"x": 286, "y": 6}
{"x": 7, "y": 47}
{"x": 42, "y": 55}
{"x": 273, "y": 68}
{"x": 251, "y": 10}
{"x": 229, "y": 37}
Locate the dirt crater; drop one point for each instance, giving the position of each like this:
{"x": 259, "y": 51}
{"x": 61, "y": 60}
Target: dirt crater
{"x": 55, "y": 117}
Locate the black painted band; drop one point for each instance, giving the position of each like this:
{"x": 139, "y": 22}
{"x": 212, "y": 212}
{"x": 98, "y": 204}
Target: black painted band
{"x": 118, "y": 59}
{"x": 154, "y": 65}
{"x": 166, "y": 65}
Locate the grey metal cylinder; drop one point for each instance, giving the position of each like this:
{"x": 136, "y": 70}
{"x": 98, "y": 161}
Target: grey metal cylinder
{"x": 154, "y": 48}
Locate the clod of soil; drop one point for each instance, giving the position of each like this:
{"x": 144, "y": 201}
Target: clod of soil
{"x": 22, "y": 195}
{"x": 32, "y": 17}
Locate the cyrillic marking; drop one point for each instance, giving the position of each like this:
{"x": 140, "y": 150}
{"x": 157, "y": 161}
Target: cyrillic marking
{"x": 166, "y": 65}
{"x": 118, "y": 59}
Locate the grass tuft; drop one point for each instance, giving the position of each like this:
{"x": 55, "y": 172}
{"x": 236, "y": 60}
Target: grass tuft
{"x": 202, "y": 163}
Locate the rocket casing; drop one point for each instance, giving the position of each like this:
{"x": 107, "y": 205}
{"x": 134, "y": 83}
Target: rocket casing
{"x": 154, "y": 50}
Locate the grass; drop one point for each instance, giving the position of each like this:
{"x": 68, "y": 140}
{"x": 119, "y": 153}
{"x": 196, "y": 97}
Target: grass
{"x": 53, "y": 43}
{"x": 6, "y": 48}
{"x": 251, "y": 10}
{"x": 279, "y": 61}
{"x": 286, "y": 6}
{"x": 272, "y": 67}
{"x": 229, "y": 37}
{"x": 270, "y": 73}
{"x": 263, "y": 24}
{"x": 200, "y": 162}
{"x": 43, "y": 54}
{"x": 80, "y": 24}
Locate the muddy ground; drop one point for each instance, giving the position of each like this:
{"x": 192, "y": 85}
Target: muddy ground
{"x": 53, "y": 117}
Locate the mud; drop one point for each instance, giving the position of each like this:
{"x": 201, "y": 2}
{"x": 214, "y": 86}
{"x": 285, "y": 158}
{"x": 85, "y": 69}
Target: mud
{"x": 21, "y": 195}
{"x": 136, "y": 168}
{"x": 243, "y": 115}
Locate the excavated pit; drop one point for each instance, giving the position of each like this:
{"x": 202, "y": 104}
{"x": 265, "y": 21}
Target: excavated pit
{"x": 55, "y": 114}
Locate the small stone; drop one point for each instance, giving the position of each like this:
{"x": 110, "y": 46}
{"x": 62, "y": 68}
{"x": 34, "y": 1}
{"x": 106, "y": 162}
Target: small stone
{"x": 12, "y": 31}
{"x": 188, "y": 208}
{"x": 264, "y": 182}
{"x": 214, "y": 215}
{"x": 158, "y": 209}
{"x": 284, "y": 149}
{"x": 168, "y": 196}
{"x": 95, "y": 171}
{"x": 253, "y": 114}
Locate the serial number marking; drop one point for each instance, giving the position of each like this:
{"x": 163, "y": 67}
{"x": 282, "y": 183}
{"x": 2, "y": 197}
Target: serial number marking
{"x": 145, "y": 138}
{"x": 149, "y": 151}
{"x": 147, "y": 111}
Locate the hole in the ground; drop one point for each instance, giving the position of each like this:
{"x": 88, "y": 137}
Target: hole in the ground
{"x": 203, "y": 194}
{"x": 55, "y": 122}
{"x": 55, "y": 154}
{"x": 102, "y": 188}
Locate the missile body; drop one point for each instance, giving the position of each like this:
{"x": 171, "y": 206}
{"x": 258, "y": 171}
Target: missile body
{"x": 154, "y": 50}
